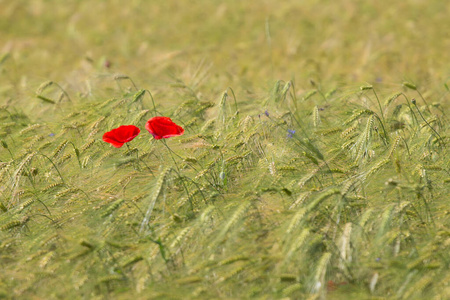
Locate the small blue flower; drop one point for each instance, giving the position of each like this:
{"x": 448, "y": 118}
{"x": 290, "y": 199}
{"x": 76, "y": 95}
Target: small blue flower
{"x": 266, "y": 113}
{"x": 290, "y": 133}
{"x": 51, "y": 134}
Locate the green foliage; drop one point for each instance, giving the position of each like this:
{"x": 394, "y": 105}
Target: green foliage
{"x": 241, "y": 206}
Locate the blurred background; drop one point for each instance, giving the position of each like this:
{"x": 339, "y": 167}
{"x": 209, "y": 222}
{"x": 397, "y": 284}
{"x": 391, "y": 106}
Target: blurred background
{"x": 214, "y": 44}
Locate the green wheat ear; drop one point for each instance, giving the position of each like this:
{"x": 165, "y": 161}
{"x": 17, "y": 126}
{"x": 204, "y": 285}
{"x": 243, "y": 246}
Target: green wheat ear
{"x": 222, "y": 114}
{"x": 345, "y": 249}
{"x": 363, "y": 143}
{"x": 316, "y": 116}
{"x": 59, "y": 149}
{"x": 291, "y": 289}
{"x": 140, "y": 115}
{"x": 410, "y": 85}
{"x": 237, "y": 216}
{"x": 120, "y": 77}
{"x": 309, "y": 95}
{"x": 319, "y": 284}
{"x": 19, "y": 171}
{"x": 113, "y": 207}
{"x": 46, "y": 85}
{"x": 295, "y": 221}
{"x": 296, "y": 244}
{"x": 26, "y": 204}
{"x": 366, "y": 87}
{"x": 30, "y": 128}
{"x": 418, "y": 287}
{"x": 43, "y": 87}
{"x": 157, "y": 190}
{"x": 138, "y": 96}
{"x": 391, "y": 99}
{"x": 87, "y": 145}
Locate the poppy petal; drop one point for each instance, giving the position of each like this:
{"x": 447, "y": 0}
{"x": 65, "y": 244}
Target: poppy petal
{"x": 112, "y": 141}
{"x": 163, "y": 127}
{"x": 121, "y": 135}
{"x": 127, "y": 133}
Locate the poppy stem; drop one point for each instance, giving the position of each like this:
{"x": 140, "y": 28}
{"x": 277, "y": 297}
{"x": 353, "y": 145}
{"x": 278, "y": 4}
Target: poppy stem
{"x": 137, "y": 165}
{"x": 165, "y": 144}
{"x": 153, "y": 101}
{"x": 141, "y": 160}
{"x": 179, "y": 173}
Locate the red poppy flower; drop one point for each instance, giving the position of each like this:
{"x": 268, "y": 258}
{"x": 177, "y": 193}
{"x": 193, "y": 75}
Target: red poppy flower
{"x": 119, "y": 136}
{"x": 163, "y": 128}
